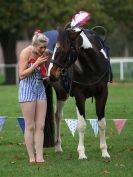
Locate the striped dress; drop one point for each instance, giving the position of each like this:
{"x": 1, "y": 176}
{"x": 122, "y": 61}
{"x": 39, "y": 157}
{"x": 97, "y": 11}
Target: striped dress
{"x": 31, "y": 88}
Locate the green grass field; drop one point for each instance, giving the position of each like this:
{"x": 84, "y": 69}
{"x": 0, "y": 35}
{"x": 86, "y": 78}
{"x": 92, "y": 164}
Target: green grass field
{"x": 13, "y": 156}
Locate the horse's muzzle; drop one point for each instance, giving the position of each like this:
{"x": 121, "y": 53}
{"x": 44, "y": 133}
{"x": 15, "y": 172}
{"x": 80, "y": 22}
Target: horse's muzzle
{"x": 53, "y": 79}
{"x": 55, "y": 73}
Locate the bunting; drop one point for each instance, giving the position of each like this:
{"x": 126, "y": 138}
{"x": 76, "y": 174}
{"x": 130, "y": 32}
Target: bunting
{"x": 2, "y": 122}
{"x": 72, "y": 125}
{"x": 21, "y": 123}
{"x": 94, "y": 125}
{"x": 119, "y": 124}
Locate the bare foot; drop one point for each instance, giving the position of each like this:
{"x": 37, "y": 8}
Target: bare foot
{"x": 41, "y": 161}
{"x": 32, "y": 161}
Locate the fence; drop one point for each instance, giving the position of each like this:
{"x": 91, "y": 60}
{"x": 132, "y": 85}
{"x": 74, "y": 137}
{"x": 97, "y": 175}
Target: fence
{"x": 122, "y": 69}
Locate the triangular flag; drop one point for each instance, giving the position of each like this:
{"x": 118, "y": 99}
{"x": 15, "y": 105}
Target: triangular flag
{"x": 94, "y": 125}
{"x": 2, "y": 121}
{"x": 119, "y": 124}
{"x": 72, "y": 124}
{"x": 21, "y": 123}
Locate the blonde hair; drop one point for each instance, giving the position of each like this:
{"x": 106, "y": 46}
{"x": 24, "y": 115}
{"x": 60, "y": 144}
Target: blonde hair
{"x": 39, "y": 38}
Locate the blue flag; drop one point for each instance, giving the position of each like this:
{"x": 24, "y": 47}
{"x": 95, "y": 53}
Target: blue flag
{"x": 2, "y": 121}
{"x": 94, "y": 125}
{"x": 21, "y": 123}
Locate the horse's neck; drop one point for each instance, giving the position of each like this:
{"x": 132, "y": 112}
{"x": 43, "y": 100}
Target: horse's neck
{"x": 92, "y": 40}
{"x": 90, "y": 62}
{"x": 86, "y": 42}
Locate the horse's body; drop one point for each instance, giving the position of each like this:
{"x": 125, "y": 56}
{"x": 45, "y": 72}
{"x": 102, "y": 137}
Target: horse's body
{"x": 80, "y": 69}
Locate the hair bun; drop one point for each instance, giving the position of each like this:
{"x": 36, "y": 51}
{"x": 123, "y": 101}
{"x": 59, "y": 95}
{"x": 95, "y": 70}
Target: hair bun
{"x": 37, "y": 31}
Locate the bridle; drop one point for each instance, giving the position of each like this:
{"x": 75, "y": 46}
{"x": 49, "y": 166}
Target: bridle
{"x": 70, "y": 57}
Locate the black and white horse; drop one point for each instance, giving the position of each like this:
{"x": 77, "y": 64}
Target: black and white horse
{"x": 81, "y": 69}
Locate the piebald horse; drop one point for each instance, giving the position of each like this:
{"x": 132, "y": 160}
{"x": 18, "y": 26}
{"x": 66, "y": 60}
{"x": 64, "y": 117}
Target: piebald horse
{"x": 80, "y": 68}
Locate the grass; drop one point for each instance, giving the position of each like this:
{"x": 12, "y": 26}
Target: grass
{"x": 13, "y": 156}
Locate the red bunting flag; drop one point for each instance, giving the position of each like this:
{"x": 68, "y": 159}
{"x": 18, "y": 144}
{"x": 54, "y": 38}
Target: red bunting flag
{"x": 119, "y": 124}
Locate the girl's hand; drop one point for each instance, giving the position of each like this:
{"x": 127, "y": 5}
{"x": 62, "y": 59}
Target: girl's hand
{"x": 41, "y": 60}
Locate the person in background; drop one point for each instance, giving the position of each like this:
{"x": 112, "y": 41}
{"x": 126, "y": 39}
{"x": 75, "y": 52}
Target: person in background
{"x": 32, "y": 96}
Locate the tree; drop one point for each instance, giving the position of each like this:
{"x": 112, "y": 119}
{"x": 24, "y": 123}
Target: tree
{"x": 17, "y": 16}
{"x": 10, "y": 26}
{"x": 122, "y": 13}
{"x": 25, "y": 15}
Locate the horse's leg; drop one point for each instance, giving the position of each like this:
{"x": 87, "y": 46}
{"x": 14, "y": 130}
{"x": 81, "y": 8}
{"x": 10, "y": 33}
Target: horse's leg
{"x": 103, "y": 145}
{"x": 58, "y": 116}
{"x": 81, "y": 126}
{"x": 100, "y": 110}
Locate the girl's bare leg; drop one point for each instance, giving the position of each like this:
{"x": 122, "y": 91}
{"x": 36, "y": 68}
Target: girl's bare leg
{"x": 28, "y": 110}
{"x": 41, "y": 107}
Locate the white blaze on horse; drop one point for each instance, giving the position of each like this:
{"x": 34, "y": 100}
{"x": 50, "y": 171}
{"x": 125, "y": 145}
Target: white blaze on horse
{"x": 80, "y": 69}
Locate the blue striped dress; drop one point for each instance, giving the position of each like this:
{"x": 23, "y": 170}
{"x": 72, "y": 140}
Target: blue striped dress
{"x": 31, "y": 88}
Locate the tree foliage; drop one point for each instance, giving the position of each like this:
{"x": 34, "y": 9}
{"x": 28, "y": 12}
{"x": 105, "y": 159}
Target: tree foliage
{"x": 22, "y": 16}
{"x": 122, "y": 13}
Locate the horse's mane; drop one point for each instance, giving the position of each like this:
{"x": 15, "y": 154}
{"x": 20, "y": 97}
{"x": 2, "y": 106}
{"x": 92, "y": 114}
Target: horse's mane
{"x": 63, "y": 39}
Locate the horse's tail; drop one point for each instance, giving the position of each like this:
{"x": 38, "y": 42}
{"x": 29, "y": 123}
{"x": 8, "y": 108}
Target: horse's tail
{"x": 49, "y": 121}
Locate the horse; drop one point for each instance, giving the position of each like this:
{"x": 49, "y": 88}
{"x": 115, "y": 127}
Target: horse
{"x": 80, "y": 68}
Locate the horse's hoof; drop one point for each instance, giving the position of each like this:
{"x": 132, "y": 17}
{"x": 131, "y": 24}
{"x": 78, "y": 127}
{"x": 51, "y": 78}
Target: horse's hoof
{"x": 83, "y": 157}
{"x": 106, "y": 159}
{"x": 58, "y": 150}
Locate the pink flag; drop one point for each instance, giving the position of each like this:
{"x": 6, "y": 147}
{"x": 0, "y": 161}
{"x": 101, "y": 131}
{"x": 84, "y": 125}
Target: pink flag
{"x": 119, "y": 124}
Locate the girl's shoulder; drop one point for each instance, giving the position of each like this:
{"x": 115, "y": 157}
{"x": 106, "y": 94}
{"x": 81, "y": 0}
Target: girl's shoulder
{"x": 26, "y": 52}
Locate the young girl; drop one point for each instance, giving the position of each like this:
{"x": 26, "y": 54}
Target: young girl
{"x": 32, "y": 96}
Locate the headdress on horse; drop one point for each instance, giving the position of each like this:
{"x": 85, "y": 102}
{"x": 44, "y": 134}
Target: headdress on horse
{"x": 80, "y": 19}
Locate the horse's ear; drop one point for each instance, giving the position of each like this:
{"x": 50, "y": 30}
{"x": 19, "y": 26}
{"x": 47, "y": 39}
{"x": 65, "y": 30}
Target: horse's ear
{"x": 60, "y": 29}
{"x": 67, "y": 25}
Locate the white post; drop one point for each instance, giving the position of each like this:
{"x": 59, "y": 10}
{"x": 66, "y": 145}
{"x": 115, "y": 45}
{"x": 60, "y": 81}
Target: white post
{"x": 121, "y": 71}
{"x": 17, "y": 78}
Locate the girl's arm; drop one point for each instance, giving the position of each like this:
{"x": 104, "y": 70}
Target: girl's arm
{"x": 24, "y": 71}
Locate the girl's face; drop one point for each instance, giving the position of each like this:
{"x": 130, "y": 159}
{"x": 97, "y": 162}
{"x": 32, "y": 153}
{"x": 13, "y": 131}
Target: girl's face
{"x": 40, "y": 49}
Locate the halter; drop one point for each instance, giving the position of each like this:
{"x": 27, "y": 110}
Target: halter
{"x": 70, "y": 57}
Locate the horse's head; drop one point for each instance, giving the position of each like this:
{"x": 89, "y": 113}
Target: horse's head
{"x": 66, "y": 51}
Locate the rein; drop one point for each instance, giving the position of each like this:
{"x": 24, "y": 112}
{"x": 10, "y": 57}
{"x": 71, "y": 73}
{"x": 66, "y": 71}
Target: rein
{"x": 82, "y": 83}
{"x": 96, "y": 82}
{"x": 57, "y": 64}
